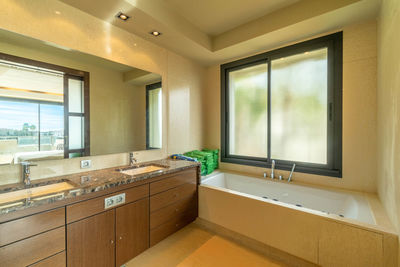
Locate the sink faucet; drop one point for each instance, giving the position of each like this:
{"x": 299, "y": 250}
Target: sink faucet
{"x": 26, "y": 172}
{"x": 132, "y": 159}
{"x": 291, "y": 173}
{"x": 272, "y": 169}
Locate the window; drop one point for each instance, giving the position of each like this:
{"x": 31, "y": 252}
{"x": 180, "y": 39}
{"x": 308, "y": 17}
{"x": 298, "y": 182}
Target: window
{"x": 153, "y": 116}
{"x": 285, "y": 105}
{"x": 43, "y": 111}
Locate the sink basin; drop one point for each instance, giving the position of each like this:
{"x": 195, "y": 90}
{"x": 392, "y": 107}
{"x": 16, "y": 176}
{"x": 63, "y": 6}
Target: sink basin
{"x": 35, "y": 191}
{"x": 142, "y": 169}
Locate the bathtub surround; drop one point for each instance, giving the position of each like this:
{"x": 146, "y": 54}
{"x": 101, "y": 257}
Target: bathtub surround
{"x": 182, "y": 78}
{"x": 388, "y": 109}
{"x": 359, "y": 113}
{"x": 323, "y": 239}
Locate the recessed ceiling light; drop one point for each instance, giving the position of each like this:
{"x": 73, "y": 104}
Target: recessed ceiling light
{"x": 122, "y": 16}
{"x": 155, "y": 33}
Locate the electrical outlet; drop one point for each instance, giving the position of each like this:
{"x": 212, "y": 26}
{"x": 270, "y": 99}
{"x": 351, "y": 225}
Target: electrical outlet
{"x": 114, "y": 201}
{"x": 86, "y": 164}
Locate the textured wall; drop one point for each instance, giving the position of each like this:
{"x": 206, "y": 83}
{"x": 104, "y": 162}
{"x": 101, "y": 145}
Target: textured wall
{"x": 389, "y": 109}
{"x": 72, "y": 28}
{"x": 359, "y": 113}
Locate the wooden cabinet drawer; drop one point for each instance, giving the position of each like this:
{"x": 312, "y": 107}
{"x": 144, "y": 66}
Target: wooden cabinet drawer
{"x": 187, "y": 176}
{"x": 57, "y": 260}
{"x": 168, "y": 197}
{"x": 172, "y": 211}
{"x": 31, "y": 225}
{"x": 94, "y": 206}
{"x": 159, "y": 233}
{"x": 33, "y": 249}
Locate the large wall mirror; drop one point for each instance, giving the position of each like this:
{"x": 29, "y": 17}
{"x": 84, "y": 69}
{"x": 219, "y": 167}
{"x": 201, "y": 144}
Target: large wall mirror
{"x": 56, "y": 103}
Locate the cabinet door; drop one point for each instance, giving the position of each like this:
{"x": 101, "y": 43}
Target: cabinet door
{"x": 132, "y": 230}
{"x": 91, "y": 241}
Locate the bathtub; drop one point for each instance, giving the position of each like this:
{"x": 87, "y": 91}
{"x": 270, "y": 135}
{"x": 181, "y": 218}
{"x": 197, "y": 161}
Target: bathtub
{"x": 323, "y": 226}
{"x": 345, "y": 205}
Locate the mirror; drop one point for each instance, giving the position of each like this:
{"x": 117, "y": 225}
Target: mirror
{"x": 57, "y": 103}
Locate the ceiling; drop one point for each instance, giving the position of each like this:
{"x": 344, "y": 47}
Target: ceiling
{"x": 215, "y": 17}
{"x": 215, "y": 31}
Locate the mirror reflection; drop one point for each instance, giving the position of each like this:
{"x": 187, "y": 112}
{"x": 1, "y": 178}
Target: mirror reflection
{"x": 57, "y": 103}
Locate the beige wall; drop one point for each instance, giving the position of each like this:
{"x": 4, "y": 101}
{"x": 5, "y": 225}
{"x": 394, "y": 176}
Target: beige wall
{"x": 182, "y": 79}
{"x": 389, "y": 109}
{"x": 359, "y": 113}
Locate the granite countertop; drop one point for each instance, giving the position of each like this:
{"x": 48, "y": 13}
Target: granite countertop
{"x": 87, "y": 182}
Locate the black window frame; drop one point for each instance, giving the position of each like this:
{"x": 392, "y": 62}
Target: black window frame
{"x": 334, "y": 43}
{"x": 150, "y": 87}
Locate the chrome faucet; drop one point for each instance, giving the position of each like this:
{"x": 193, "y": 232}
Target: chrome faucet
{"x": 291, "y": 173}
{"x": 132, "y": 159}
{"x": 272, "y": 169}
{"x": 26, "y": 172}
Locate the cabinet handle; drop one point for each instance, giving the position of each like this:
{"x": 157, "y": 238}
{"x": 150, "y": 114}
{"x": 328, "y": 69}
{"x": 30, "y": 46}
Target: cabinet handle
{"x": 176, "y": 225}
{"x": 120, "y": 238}
{"x": 176, "y": 210}
{"x": 112, "y": 241}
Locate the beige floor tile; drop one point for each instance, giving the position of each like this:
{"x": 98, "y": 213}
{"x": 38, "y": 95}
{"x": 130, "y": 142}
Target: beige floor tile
{"x": 219, "y": 252}
{"x": 196, "y": 247}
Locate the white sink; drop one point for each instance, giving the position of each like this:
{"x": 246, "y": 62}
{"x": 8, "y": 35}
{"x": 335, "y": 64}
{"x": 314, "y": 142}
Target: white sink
{"x": 141, "y": 170}
{"x": 34, "y": 192}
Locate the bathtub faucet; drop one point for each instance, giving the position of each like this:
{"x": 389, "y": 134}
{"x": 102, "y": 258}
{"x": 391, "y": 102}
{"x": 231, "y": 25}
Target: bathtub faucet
{"x": 272, "y": 169}
{"x": 291, "y": 173}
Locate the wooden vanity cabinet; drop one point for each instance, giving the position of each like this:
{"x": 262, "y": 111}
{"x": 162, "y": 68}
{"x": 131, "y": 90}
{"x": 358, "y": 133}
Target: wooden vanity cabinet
{"x": 112, "y": 236}
{"x": 33, "y": 239}
{"x": 85, "y": 233}
{"x": 132, "y": 230}
{"x": 91, "y": 241}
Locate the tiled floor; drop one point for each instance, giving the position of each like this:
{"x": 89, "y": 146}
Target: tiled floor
{"x": 194, "y": 246}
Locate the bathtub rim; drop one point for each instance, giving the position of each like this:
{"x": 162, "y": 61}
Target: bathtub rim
{"x": 383, "y": 224}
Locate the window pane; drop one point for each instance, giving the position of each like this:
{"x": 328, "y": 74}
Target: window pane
{"x": 248, "y": 111}
{"x": 19, "y": 126}
{"x": 75, "y": 96}
{"x": 52, "y": 129}
{"x": 299, "y": 107}
{"x": 76, "y": 128}
{"x": 155, "y": 118}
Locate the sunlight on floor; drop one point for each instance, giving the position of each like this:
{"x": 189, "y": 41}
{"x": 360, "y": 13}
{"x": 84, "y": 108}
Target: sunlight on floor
{"x": 194, "y": 246}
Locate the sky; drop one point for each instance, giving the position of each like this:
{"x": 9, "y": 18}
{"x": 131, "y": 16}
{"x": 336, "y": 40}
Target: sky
{"x": 13, "y": 115}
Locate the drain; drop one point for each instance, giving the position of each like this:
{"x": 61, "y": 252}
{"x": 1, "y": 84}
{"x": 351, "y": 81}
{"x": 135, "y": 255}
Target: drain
{"x": 275, "y": 199}
{"x": 265, "y": 197}
{"x": 298, "y": 205}
{"x": 341, "y": 215}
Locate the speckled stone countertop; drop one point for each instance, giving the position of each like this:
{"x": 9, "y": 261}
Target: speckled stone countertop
{"x": 88, "y": 182}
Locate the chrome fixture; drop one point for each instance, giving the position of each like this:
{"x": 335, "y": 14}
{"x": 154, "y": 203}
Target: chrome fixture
{"x": 280, "y": 178}
{"x": 265, "y": 174}
{"x": 26, "y": 172}
{"x": 132, "y": 159}
{"x": 272, "y": 169}
{"x": 291, "y": 172}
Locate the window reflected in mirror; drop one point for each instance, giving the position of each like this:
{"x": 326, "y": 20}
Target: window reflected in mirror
{"x": 73, "y": 104}
{"x": 154, "y": 116}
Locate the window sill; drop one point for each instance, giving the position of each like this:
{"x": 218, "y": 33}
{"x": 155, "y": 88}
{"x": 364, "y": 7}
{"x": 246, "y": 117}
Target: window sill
{"x": 287, "y": 167}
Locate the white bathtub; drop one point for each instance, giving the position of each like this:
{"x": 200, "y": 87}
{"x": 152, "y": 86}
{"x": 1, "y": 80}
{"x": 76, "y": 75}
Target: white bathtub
{"x": 347, "y": 205}
{"x": 323, "y": 226}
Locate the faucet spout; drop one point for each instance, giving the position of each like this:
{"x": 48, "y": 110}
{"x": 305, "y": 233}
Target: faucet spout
{"x": 132, "y": 159}
{"x": 272, "y": 169}
{"x": 291, "y": 172}
{"x": 26, "y": 172}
